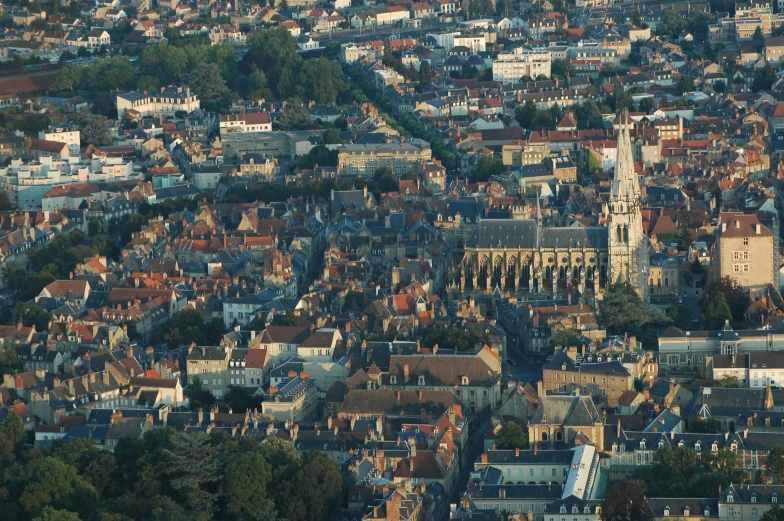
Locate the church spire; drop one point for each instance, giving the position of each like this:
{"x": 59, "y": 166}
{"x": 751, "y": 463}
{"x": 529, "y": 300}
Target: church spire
{"x": 626, "y": 186}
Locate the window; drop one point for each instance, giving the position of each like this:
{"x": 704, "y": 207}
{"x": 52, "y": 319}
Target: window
{"x": 745, "y": 241}
{"x": 753, "y": 512}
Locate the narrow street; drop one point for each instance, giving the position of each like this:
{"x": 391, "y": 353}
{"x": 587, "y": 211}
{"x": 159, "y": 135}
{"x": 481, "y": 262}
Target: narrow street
{"x": 475, "y": 449}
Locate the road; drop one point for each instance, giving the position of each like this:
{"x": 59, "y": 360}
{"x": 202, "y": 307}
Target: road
{"x": 475, "y": 448}
{"x": 524, "y": 371}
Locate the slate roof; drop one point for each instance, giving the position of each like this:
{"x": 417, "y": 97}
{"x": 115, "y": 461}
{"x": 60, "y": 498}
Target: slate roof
{"x": 566, "y": 410}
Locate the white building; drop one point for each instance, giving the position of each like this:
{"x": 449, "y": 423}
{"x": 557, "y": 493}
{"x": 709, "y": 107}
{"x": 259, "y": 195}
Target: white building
{"x": 69, "y": 137}
{"x": 475, "y": 42}
{"x": 320, "y": 346}
{"x": 246, "y": 122}
{"x": 164, "y": 103}
{"x": 26, "y": 183}
{"x": 510, "y": 67}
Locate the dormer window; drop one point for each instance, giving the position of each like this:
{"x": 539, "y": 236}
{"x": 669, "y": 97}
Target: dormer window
{"x": 686, "y": 511}
{"x": 575, "y": 510}
{"x": 464, "y": 380}
{"x": 706, "y": 512}
{"x": 587, "y": 509}
{"x": 730, "y": 498}
{"x": 666, "y": 511}
{"x": 563, "y": 509}
{"x": 393, "y": 379}
{"x": 697, "y": 446}
{"x": 774, "y": 499}
{"x": 754, "y": 498}
{"x": 421, "y": 379}
{"x": 715, "y": 447}
{"x": 642, "y": 444}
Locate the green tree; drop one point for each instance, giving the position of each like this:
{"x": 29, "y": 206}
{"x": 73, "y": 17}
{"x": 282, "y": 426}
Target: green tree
{"x": 679, "y": 314}
{"x": 293, "y": 114}
{"x": 684, "y": 238}
{"x": 12, "y": 435}
{"x": 94, "y": 130}
{"x": 719, "y": 86}
{"x": 486, "y": 167}
{"x": 191, "y": 465}
{"x": 324, "y": 485}
{"x": 561, "y": 68}
{"x": 717, "y": 313}
{"x": 621, "y": 311}
{"x": 331, "y": 136}
{"x": 707, "y": 426}
{"x": 31, "y": 315}
{"x": 725, "y": 462}
{"x": 511, "y": 436}
{"x": 51, "y": 514}
{"x": 729, "y": 381}
{"x": 774, "y": 513}
{"x": 425, "y": 72}
{"x": 763, "y": 78}
{"x": 758, "y": 34}
{"x": 685, "y": 84}
{"x": 385, "y": 180}
{"x": 525, "y": 114}
{"x": 565, "y": 338}
{"x": 70, "y": 77}
{"x": 647, "y": 105}
{"x": 206, "y": 81}
{"x": 245, "y": 483}
{"x": 775, "y": 463}
{"x": 625, "y": 501}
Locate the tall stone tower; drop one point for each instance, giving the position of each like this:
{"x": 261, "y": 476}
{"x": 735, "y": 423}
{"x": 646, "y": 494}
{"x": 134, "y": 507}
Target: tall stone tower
{"x": 628, "y": 243}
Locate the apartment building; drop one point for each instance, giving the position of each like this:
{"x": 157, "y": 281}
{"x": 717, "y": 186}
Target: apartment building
{"x": 210, "y": 364}
{"x": 664, "y": 275}
{"x": 744, "y": 250}
{"x": 166, "y": 102}
{"x": 402, "y": 158}
{"x": 521, "y": 153}
{"x": 245, "y": 122}
{"x": 753, "y": 370}
{"x": 63, "y": 135}
{"x": 296, "y": 400}
{"x": 525, "y": 466}
{"x": 510, "y": 66}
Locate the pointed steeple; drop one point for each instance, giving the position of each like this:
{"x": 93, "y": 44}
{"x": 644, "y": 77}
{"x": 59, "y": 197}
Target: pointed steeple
{"x": 768, "y": 396}
{"x": 538, "y": 210}
{"x": 626, "y": 186}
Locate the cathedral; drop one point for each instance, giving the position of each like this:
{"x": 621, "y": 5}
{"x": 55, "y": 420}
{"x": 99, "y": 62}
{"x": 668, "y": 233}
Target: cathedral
{"x": 521, "y": 255}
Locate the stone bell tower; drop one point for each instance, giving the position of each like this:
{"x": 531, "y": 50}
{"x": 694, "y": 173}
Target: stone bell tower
{"x": 628, "y": 244}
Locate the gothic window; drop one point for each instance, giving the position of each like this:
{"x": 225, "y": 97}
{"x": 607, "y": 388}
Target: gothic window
{"x": 625, "y": 234}
{"x": 618, "y": 233}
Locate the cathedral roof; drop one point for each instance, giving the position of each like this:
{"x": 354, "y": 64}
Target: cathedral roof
{"x": 524, "y": 233}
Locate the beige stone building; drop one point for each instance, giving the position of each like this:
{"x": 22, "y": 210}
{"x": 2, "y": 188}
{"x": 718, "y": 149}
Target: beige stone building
{"x": 210, "y": 364}
{"x": 559, "y": 419}
{"x": 744, "y": 251}
{"x": 664, "y": 275}
{"x": 519, "y": 153}
{"x": 402, "y": 158}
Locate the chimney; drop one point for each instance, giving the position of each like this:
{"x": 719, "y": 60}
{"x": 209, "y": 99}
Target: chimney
{"x": 405, "y": 373}
{"x": 618, "y": 432}
{"x": 517, "y": 452}
{"x": 536, "y": 449}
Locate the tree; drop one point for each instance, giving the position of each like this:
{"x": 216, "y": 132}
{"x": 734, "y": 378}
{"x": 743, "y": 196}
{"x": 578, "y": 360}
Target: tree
{"x": 719, "y": 86}
{"x": 707, "y": 426}
{"x": 12, "y": 435}
{"x": 625, "y": 501}
{"x": 763, "y": 78}
{"x": 621, "y": 311}
{"x": 206, "y": 81}
{"x": 685, "y": 84}
{"x": 9, "y": 361}
{"x": 684, "y": 239}
{"x": 425, "y": 72}
{"x": 561, "y": 69}
{"x": 94, "y": 130}
{"x": 647, "y": 105}
{"x": 737, "y": 296}
{"x": 259, "y": 323}
{"x": 511, "y": 436}
{"x": 486, "y": 167}
{"x": 385, "y": 180}
{"x": 758, "y": 34}
{"x": 525, "y": 114}
{"x": 718, "y": 313}
{"x": 70, "y": 77}
{"x": 245, "y": 483}
{"x": 775, "y": 513}
{"x": 729, "y": 381}
{"x": 565, "y": 338}
{"x": 191, "y": 465}
{"x": 775, "y": 463}
{"x": 331, "y": 136}
{"x": 33, "y": 316}
{"x": 293, "y": 114}
{"x": 725, "y": 462}
{"x": 679, "y": 314}
{"x": 51, "y": 514}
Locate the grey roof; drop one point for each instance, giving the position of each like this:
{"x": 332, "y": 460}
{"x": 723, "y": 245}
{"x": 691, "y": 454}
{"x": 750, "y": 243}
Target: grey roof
{"x": 514, "y": 233}
{"x": 524, "y": 233}
{"x": 591, "y": 237}
{"x": 566, "y": 410}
